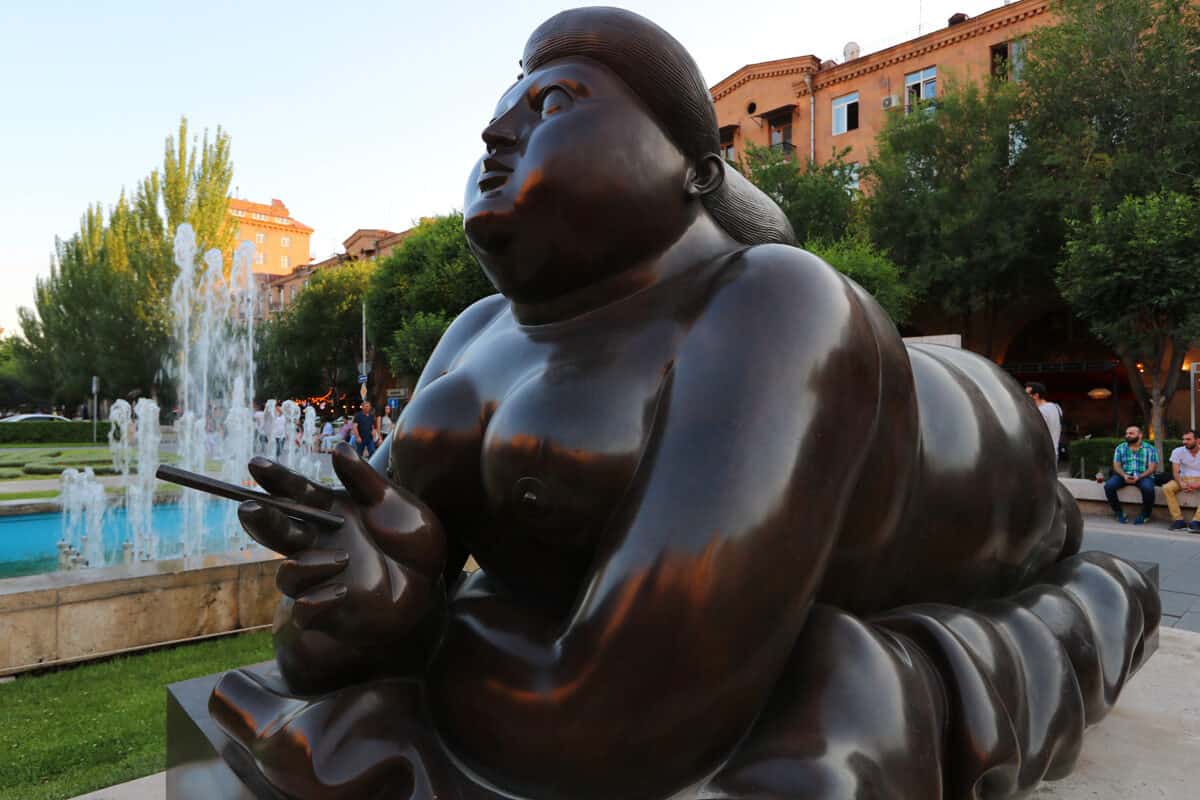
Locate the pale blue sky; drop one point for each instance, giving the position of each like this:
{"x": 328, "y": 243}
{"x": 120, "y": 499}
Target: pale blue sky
{"x": 354, "y": 113}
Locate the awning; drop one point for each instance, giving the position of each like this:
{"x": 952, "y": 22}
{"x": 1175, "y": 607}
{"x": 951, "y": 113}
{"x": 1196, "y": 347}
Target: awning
{"x": 727, "y": 131}
{"x": 779, "y": 111}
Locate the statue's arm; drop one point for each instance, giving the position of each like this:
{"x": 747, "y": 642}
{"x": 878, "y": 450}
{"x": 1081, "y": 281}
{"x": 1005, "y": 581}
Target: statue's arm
{"x": 710, "y": 565}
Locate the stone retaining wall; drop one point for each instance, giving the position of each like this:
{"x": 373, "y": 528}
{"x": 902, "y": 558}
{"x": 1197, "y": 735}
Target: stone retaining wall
{"x": 1090, "y": 496}
{"x": 61, "y": 617}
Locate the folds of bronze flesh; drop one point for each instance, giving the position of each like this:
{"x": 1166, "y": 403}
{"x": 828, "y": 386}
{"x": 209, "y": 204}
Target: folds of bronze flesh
{"x": 735, "y": 539}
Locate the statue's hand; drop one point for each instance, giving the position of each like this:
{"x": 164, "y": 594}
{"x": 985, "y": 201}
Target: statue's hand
{"x": 362, "y": 600}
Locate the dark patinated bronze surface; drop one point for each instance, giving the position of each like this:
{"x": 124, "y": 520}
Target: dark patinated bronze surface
{"x": 736, "y": 540}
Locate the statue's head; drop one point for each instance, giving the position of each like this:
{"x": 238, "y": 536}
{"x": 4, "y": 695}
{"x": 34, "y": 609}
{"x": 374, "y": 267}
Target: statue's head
{"x": 600, "y": 156}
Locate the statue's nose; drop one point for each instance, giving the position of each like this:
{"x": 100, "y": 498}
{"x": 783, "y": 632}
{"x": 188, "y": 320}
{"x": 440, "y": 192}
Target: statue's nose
{"x": 496, "y": 136}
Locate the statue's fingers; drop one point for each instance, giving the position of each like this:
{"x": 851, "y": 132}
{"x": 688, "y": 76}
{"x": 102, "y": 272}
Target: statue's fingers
{"x": 309, "y": 608}
{"x": 365, "y": 485}
{"x": 305, "y": 570}
{"x": 279, "y": 480}
{"x": 273, "y": 529}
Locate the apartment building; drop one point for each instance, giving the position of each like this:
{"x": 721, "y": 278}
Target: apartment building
{"x": 810, "y": 107}
{"x": 280, "y": 243}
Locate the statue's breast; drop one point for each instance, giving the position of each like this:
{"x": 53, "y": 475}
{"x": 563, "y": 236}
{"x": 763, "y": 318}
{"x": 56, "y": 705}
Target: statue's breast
{"x": 562, "y": 447}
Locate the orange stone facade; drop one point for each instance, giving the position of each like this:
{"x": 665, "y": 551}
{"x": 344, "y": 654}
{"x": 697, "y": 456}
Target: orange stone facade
{"x": 812, "y": 108}
{"x": 280, "y": 242}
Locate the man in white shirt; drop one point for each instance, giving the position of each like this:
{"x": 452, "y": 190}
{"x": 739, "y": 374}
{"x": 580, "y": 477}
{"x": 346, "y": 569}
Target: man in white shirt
{"x": 1049, "y": 411}
{"x": 1185, "y": 463}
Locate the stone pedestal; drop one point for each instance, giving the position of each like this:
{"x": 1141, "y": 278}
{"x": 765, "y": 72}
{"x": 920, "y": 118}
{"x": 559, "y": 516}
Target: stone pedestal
{"x": 202, "y": 764}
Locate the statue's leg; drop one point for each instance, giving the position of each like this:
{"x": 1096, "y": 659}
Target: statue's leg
{"x": 934, "y": 701}
{"x": 371, "y": 740}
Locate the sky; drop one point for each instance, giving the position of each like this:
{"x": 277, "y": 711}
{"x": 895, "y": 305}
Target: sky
{"x": 355, "y": 114}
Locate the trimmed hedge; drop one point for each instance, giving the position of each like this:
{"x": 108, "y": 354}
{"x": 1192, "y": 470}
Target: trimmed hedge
{"x": 49, "y": 468}
{"x": 52, "y": 432}
{"x": 1097, "y": 454}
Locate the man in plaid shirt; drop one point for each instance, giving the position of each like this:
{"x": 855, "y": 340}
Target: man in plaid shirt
{"x": 1134, "y": 464}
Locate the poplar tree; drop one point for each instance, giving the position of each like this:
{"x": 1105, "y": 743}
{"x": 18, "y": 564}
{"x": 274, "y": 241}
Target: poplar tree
{"x": 105, "y": 308}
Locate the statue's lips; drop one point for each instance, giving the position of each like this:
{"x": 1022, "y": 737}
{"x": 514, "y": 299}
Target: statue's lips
{"x": 490, "y": 181}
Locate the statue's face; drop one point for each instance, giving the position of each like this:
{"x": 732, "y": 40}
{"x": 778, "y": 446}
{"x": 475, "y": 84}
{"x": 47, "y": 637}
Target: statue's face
{"x": 578, "y": 182}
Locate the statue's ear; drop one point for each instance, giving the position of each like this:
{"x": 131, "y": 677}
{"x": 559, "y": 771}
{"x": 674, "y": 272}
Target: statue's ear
{"x": 706, "y": 175}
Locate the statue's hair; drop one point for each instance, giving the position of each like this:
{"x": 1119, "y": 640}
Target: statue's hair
{"x": 662, "y": 73}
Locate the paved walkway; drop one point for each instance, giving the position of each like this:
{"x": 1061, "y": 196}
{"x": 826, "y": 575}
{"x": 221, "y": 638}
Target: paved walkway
{"x": 1177, "y": 555}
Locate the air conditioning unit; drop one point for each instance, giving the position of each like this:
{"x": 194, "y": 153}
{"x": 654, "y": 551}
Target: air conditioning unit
{"x": 890, "y": 101}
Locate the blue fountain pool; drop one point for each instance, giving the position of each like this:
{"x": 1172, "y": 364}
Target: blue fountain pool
{"x": 29, "y": 542}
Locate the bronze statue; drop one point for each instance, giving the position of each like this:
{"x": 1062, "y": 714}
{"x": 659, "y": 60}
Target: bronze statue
{"x": 735, "y": 539}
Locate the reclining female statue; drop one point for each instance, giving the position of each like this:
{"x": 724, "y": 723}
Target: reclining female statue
{"x": 735, "y": 540}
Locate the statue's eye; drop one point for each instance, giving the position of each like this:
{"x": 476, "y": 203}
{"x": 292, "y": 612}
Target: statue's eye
{"x": 554, "y": 100}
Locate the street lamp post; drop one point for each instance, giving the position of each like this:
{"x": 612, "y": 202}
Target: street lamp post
{"x": 1192, "y": 390}
{"x": 95, "y": 405}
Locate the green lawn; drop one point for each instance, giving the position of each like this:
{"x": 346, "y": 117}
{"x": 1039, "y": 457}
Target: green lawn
{"x": 74, "y": 731}
{"x": 41, "y": 494}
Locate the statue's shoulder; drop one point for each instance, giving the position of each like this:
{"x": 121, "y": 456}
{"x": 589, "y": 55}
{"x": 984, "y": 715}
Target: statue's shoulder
{"x": 778, "y": 276}
{"x": 462, "y": 331}
{"x": 479, "y": 314}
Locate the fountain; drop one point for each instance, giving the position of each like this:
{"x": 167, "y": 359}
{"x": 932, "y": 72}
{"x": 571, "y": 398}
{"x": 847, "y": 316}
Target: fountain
{"x": 84, "y": 504}
{"x": 213, "y": 369}
{"x": 214, "y": 372}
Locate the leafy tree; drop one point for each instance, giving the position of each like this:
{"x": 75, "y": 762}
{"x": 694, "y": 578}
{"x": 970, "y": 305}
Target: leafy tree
{"x": 104, "y": 310}
{"x": 856, "y": 258}
{"x": 16, "y": 392}
{"x": 1112, "y": 117}
{"x": 413, "y": 343}
{"x": 953, "y": 201}
{"x": 1112, "y": 94}
{"x": 816, "y": 199}
{"x": 314, "y": 345}
{"x": 1130, "y": 273}
{"x": 198, "y": 193}
{"x": 419, "y": 288}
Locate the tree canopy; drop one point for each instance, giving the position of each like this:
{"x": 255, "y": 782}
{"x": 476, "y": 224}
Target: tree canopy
{"x": 420, "y": 288}
{"x": 1112, "y": 91}
{"x": 104, "y": 308}
{"x": 817, "y": 199}
{"x": 1114, "y": 127}
{"x": 954, "y": 201}
{"x": 314, "y": 345}
{"x": 1131, "y": 274}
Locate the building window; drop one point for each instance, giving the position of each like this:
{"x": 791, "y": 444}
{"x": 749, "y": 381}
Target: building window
{"x": 293, "y": 294}
{"x": 781, "y": 132}
{"x": 259, "y": 217}
{"x": 281, "y": 297}
{"x": 727, "y": 152}
{"x": 285, "y": 241}
{"x": 258, "y": 258}
{"x": 260, "y": 238}
{"x": 920, "y": 87}
{"x": 1008, "y": 60}
{"x": 284, "y": 263}
{"x": 845, "y": 113}
{"x": 237, "y": 213}
{"x": 853, "y": 174}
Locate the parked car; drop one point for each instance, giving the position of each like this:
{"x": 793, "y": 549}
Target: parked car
{"x": 35, "y": 418}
